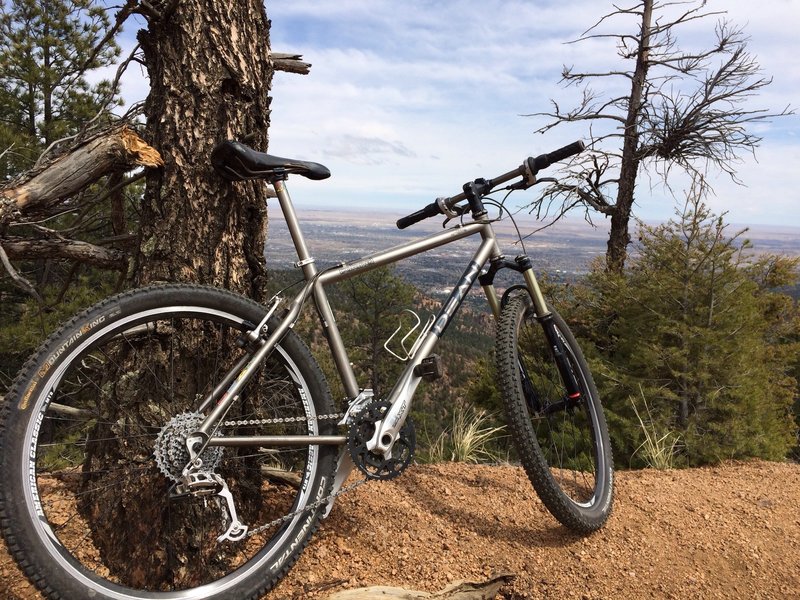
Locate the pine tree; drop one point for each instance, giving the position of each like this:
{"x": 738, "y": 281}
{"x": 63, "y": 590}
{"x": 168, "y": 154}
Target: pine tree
{"x": 687, "y": 327}
{"x": 377, "y": 300}
{"x": 46, "y": 49}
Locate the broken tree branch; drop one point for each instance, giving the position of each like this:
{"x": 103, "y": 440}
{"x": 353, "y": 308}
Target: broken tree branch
{"x": 84, "y": 252}
{"x": 290, "y": 63}
{"x": 118, "y": 149}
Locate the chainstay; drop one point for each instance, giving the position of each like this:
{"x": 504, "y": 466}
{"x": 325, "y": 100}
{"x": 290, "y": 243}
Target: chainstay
{"x": 308, "y": 508}
{"x": 314, "y": 505}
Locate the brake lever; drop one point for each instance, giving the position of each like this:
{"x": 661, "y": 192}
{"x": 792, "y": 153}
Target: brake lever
{"x": 458, "y": 212}
{"x": 523, "y": 184}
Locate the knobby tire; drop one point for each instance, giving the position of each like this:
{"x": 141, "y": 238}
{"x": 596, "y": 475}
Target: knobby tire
{"x": 84, "y": 508}
{"x": 564, "y": 448}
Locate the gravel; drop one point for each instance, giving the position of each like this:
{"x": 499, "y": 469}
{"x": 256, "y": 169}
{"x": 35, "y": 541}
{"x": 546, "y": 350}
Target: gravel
{"x": 731, "y": 531}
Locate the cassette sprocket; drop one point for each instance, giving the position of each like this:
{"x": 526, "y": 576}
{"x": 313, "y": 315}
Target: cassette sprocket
{"x": 170, "y": 448}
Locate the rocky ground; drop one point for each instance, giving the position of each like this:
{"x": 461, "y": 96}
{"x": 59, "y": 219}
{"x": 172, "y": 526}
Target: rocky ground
{"x": 731, "y": 531}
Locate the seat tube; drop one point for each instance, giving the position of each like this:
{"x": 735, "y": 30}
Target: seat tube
{"x": 305, "y": 260}
{"x": 307, "y": 264}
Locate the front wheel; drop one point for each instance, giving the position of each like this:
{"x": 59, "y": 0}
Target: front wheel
{"x": 92, "y": 442}
{"x": 563, "y": 442}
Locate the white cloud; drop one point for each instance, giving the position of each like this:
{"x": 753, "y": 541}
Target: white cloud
{"x": 450, "y": 80}
{"x": 406, "y": 101}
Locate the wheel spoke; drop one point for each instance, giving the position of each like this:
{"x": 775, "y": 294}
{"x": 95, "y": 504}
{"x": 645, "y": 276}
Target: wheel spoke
{"x": 104, "y": 431}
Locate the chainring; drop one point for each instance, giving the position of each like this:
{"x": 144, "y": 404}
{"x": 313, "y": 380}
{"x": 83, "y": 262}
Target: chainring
{"x": 373, "y": 464}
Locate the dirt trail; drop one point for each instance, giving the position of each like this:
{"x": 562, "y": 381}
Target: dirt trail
{"x": 731, "y": 531}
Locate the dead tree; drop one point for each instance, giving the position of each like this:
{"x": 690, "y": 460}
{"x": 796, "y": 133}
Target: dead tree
{"x": 674, "y": 108}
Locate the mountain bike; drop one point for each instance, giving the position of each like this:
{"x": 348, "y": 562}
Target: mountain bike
{"x": 181, "y": 441}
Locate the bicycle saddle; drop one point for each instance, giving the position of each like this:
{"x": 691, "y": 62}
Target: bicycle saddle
{"x": 238, "y": 162}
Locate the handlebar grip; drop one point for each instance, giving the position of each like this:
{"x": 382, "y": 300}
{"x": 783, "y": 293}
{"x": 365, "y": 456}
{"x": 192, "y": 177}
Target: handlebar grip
{"x": 431, "y": 210}
{"x": 545, "y": 160}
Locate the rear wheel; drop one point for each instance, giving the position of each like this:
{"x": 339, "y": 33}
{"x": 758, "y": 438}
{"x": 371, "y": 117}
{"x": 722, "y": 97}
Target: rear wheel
{"x": 92, "y": 438}
{"x": 563, "y": 443}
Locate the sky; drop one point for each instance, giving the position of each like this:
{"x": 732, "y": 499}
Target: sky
{"x": 408, "y": 100}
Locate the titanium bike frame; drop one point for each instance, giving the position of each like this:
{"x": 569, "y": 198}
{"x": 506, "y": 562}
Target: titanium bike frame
{"x": 227, "y": 392}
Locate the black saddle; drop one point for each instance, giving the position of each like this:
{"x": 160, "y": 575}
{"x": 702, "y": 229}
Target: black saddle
{"x": 237, "y": 162}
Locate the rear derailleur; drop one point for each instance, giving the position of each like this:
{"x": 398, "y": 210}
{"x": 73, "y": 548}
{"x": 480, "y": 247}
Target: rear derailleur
{"x": 194, "y": 474}
{"x": 204, "y": 483}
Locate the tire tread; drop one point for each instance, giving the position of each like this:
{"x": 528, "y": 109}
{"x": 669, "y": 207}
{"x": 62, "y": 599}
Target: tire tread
{"x": 530, "y": 453}
{"x": 36, "y": 569}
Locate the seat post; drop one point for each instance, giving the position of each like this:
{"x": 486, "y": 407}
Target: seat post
{"x": 305, "y": 260}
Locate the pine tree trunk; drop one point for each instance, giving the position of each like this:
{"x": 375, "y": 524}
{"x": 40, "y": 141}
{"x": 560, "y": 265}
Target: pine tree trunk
{"x": 210, "y": 74}
{"x": 619, "y": 236}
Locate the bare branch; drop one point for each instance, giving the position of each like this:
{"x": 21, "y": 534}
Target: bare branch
{"x": 710, "y": 123}
{"x": 587, "y": 110}
{"x": 618, "y": 11}
{"x": 127, "y": 10}
{"x": 18, "y": 279}
{"x": 84, "y": 252}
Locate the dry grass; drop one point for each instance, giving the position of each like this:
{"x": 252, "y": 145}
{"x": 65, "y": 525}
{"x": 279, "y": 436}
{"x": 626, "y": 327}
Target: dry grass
{"x": 469, "y": 439}
{"x": 659, "y": 447}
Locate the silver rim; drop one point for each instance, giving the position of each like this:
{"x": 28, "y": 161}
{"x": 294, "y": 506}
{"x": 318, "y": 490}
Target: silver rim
{"x": 70, "y": 564}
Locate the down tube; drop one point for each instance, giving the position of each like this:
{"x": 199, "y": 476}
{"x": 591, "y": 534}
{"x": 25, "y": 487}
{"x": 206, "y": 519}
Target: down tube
{"x": 400, "y": 396}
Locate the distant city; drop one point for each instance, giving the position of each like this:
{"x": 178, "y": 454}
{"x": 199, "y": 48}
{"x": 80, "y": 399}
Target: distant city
{"x": 563, "y": 251}
{"x": 334, "y": 236}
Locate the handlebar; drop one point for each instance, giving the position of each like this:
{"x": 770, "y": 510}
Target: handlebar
{"x": 431, "y": 210}
{"x": 528, "y": 170}
{"x": 545, "y": 160}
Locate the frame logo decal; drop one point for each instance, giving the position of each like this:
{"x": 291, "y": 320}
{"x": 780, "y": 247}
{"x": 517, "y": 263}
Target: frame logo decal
{"x": 456, "y": 298}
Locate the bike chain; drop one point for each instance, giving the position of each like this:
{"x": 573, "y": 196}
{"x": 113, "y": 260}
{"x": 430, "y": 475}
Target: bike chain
{"x": 313, "y": 505}
{"x": 277, "y": 420}
{"x": 310, "y": 507}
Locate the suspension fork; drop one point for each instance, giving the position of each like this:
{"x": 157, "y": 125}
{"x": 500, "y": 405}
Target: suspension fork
{"x": 545, "y": 317}
{"x": 522, "y": 264}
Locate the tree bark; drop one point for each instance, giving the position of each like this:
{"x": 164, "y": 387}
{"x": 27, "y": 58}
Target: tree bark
{"x": 619, "y": 237}
{"x": 210, "y": 74}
